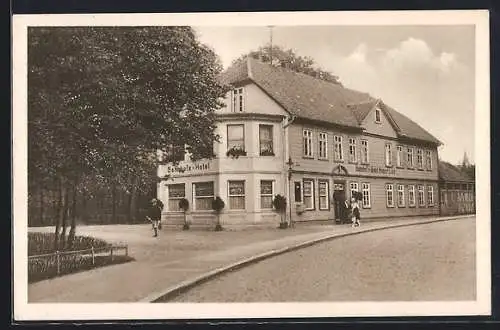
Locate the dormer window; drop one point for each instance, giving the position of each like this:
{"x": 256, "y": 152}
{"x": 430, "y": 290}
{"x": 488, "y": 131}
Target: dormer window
{"x": 377, "y": 115}
{"x": 238, "y": 102}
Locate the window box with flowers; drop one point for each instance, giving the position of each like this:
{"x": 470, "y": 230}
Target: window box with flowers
{"x": 236, "y": 152}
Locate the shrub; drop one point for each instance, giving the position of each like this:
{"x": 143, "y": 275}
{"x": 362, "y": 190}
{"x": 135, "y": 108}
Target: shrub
{"x": 279, "y": 204}
{"x": 217, "y": 205}
{"x": 43, "y": 243}
{"x": 184, "y": 206}
{"x": 236, "y": 152}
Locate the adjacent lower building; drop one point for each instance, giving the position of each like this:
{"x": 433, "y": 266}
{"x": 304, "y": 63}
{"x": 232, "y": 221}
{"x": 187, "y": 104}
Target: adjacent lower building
{"x": 312, "y": 141}
{"x": 457, "y": 190}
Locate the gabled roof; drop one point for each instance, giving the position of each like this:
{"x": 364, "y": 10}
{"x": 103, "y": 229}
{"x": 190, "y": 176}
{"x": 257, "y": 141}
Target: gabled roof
{"x": 311, "y": 98}
{"x": 451, "y": 173}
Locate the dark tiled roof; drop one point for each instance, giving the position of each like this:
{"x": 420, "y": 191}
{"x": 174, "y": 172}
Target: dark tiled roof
{"x": 311, "y": 98}
{"x": 451, "y": 173}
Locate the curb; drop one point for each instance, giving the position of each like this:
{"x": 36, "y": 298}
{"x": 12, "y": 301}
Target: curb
{"x": 178, "y": 289}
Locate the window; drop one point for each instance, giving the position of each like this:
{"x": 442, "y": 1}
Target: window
{"x": 364, "y": 151}
{"x": 388, "y": 154}
{"x": 235, "y": 137}
{"x": 421, "y": 200}
{"x": 409, "y": 157}
{"x": 323, "y": 145}
{"x": 428, "y": 160}
{"x": 354, "y": 188}
{"x": 430, "y": 195}
{"x": 176, "y": 192}
{"x": 307, "y": 137}
{"x": 411, "y": 195}
{"x": 377, "y": 115}
{"x": 175, "y": 153}
{"x": 309, "y": 194}
{"x": 298, "y": 191}
{"x": 352, "y": 150}
{"x": 266, "y": 140}
{"x": 399, "y": 156}
{"x": 389, "y": 189}
{"x": 419, "y": 158}
{"x": 266, "y": 194}
{"x": 237, "y": 100}
{"x": 203, "y": 195}
{"x": 401, "y": 195}
{"x": 236, "y": 195}
{"x": 444, "y": 198}
{"x": 337, "y": 140}
{"x": 366, "y": 195}
{"x": 324, "y": 203}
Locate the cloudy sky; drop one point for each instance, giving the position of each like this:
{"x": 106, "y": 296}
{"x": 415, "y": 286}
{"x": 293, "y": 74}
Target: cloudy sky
{"x": 425, "y": 72}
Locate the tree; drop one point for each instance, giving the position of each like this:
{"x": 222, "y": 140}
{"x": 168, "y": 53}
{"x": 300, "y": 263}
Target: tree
{"x": 289, "y": 59}
{"x": 217, "y": 205}
{"x": 279, "y": 204}
{"x": 103, "y": 100}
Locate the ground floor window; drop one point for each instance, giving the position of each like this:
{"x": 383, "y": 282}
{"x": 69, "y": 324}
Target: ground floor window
{"x": 236, "y": 195}
{"x": 389, "y": 189}
{"x": 324, "y": 203}
{"x": 401, "y": 195}
{"x": 421, "y": 199}
{"x": 411, "y": 195}
{"x": 297, "y": 189}
{"x": 308, "y": 194}
{"x": 430, "y": 195}
{"x": 203, "y": 195}
{"x": 354, "y": 189}
{"x": 266, "y": 194}
{"x": 366, "y": 195}
{"x": 176, "y": 192}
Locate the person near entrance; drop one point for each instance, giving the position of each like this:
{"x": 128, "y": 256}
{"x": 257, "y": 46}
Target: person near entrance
{"x": 355, "y": 215}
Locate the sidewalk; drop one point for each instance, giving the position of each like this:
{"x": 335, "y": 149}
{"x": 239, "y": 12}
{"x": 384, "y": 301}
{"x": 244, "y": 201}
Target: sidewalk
{"x": 172, "y": 260}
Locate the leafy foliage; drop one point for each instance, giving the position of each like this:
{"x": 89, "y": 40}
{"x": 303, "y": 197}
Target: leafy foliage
{"x": 289, "y": 59}
{"x": 279, "y": 203}
{"x": 184, "y": 204}
{"x": 218, "y": 204}
{"x": 42, "y": 243}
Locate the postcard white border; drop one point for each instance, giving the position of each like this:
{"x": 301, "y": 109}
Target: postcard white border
{"x": 31, "y": 311}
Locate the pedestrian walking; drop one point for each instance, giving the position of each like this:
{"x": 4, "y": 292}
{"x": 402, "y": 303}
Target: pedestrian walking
{"x": 154, "y": 215}
{"x": 355, "y": 215}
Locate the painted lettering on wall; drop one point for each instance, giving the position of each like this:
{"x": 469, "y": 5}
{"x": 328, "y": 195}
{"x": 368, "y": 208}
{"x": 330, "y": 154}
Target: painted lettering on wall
{"x": 188, "y": 168}
{"x": 375, "y": 169}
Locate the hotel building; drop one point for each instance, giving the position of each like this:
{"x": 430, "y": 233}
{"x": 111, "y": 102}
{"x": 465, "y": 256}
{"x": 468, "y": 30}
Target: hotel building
{"x": 312, "y": 141}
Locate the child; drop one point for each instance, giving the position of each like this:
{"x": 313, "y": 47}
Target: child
{"x": 355, "y": 213}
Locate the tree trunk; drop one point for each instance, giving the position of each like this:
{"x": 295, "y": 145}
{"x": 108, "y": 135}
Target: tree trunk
{"x": 113, "y": 203}
{"x": 129, "y": 207}
{"x": 72, "y": 231}
{"x": 65, "y": 217}
{"x": 83, "y": 210}
{"x": 59, "y": 214}
{"x": 42, "y": 222}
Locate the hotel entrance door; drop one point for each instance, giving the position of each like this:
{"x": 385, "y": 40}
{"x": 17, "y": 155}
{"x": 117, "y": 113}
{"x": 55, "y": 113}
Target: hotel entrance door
{"x": 338, "y": 200}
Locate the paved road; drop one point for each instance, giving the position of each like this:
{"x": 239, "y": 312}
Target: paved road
{"x": 426, "y": 262}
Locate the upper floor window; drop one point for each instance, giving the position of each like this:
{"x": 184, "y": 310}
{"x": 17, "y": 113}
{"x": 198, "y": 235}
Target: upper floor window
{"x": 409, "y": 157}
{"x": 354, "y": 189}
{"x": 399, "y": 156}
{"x": 238, "y": 102}
{"x": 428, "y": 160}
{"x": 338, "y": 153}
{"x": 323, "y": 145}
{"x": 388, "y": 154}
{"x": 352, "y": 150}
{"x": 364, "y": 151}
{"x": 307, "y": 141}
{"x": 419, "y": 158}
{"x": 266, "y": 140}
{"x": 378, "y": 115}
{"x": 236, "y": 137}
{"x": 175, "y": 153}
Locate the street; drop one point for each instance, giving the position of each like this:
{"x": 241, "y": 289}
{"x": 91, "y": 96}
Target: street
{"x": 427, "y": 262}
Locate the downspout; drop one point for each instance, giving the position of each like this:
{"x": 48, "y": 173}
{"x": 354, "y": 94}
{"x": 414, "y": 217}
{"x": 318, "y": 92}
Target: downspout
{"x": 286, "y": 156}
